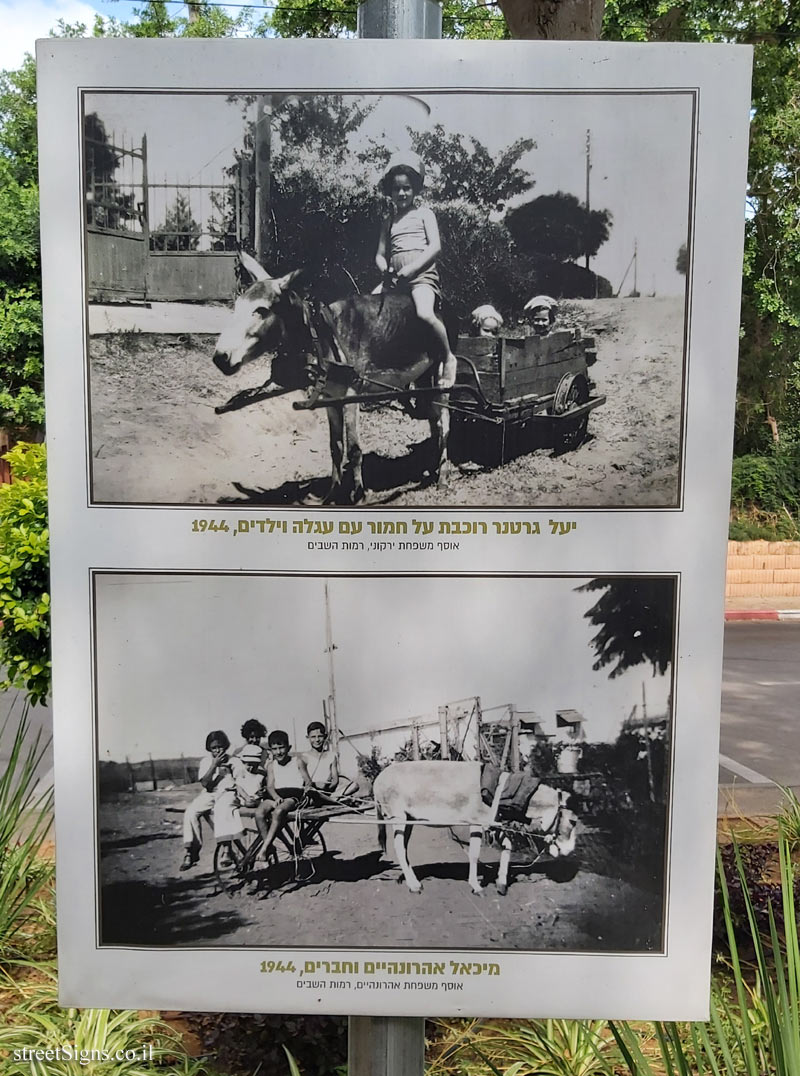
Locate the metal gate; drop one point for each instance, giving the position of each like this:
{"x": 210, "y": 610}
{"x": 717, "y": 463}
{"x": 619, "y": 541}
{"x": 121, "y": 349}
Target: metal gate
{"x": 159, "y": 241}
{"x": 117, "y": 238}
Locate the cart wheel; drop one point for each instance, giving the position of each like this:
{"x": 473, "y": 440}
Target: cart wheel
{"x": 229, "y": 865}
{"x": 296, "y": 859}
{"x": 314, "y": 846}
{"x": 572, "y": 391}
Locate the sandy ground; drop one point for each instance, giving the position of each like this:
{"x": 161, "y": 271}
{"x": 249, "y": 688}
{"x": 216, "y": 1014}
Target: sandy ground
{"x": 354, "y": 898}
{"x": 156, "y": 439}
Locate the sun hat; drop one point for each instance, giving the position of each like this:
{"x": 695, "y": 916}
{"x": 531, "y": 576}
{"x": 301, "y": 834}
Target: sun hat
{"x": 251, "y": 752}
{"x": 542, "y": 302}
{"x": 404, "y": 162}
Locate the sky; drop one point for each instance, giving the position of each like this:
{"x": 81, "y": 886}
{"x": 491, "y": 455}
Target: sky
{"x": 178, "y": 656}
{"x": 25, "y": 20}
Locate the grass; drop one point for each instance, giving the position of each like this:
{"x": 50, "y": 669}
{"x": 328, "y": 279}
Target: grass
{"x": 87, "y": 1041}
{"x": 789, "y": 818}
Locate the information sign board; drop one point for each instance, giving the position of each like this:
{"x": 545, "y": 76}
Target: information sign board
{"x": 390, "y": 393}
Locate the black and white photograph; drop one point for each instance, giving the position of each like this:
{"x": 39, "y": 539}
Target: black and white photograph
{"x": 433, "y": 299}
{"x": 343, "y": 762}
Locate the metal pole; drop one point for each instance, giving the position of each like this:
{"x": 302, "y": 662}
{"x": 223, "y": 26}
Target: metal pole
{"x": 400, "y": 19}
{"x": 385, "y": 1046}
{"x": 391, "y": 1045}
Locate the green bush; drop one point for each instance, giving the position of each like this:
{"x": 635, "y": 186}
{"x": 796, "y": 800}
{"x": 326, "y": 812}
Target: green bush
{"x": 751, "y": 525}
{"x": 769, "y": 482}
{"x": 24, "y": 580}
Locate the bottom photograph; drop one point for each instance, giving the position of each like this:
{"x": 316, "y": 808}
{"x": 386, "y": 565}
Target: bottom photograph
{"x": 454, "y": 762}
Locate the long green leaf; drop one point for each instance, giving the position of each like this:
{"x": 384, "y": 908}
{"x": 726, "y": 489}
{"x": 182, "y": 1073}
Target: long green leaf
{"x": 747, "y": 1039}
{"x": 293, "y": 1069}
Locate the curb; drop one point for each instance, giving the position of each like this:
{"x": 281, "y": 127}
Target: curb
{"x": 762, "y": 614}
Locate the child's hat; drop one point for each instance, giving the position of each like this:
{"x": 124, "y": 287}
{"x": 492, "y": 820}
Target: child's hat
{"x": 251, "y": 752}
{"x": 542, "y": 302}
{"x": 404, "y": 162}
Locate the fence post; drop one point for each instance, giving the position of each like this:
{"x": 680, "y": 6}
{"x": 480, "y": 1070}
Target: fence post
{"x": 443, "y": 733}
{"x": 515, "y": 760}
{"x": 393, "y": 1045}
{"x": 415, "y": 740}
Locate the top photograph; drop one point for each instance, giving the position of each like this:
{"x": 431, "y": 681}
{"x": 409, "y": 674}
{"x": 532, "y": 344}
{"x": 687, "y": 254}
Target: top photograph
{"x": 455, "y": 299}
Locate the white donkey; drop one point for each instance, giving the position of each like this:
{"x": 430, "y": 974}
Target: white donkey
{"x": 449, "y": 794}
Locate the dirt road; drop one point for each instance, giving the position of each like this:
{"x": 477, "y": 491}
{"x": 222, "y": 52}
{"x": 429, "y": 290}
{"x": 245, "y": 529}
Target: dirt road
{"x": 156, "y": 439}
{"x": 354, "y": 899}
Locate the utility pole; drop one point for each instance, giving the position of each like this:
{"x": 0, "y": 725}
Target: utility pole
{"x": 636, "y": 268}
{"x": 333, "y": 729}
{"x": 588, "y": 205}
{"x": 391, "y": 1045}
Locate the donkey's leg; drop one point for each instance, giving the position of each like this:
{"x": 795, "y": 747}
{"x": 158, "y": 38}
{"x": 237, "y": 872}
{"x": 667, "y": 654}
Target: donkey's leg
{"x": 354, "y": 455}
{"x": 337, "y": 435}
{"x": 401, "y": 838}
{"x": 440, "y": 431}
{"x": 502, "y": 874}
{"x": 475, "y": 839}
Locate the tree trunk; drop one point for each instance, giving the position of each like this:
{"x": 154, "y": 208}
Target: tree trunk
{"x": 551, "y": 20}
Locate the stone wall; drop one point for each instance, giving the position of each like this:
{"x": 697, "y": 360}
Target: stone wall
{"x": 763, "y": 569}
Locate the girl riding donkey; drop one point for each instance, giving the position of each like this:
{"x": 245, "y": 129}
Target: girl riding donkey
{"x": 408, "y": 247}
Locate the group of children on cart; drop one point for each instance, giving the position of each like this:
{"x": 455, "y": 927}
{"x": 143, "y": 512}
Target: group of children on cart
{"x": 271, "y": 783}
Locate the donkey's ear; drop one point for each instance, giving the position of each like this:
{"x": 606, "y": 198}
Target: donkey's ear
{"x": 283, "y": 283}
{"x": 256, "y": 271}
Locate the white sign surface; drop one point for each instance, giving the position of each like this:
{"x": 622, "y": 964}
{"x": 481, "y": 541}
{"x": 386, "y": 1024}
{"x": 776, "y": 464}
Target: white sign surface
{"x": 541, "y": 591}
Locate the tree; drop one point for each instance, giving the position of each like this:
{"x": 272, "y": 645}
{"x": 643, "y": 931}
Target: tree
{"x": 681, "y": 260}
{"x": 180, "y": 231}
{"x": 464, "y": 169}
{"x": 543, "y": 19}
{"x": 636, "y": 620}
{"x": 337, "y": 18}
{"x": 21, "y": 362}
{"x": 559, "y": 226}
{"x": 769, "y": 372}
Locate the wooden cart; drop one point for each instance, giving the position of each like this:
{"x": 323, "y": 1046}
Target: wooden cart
{"x": 514, "y": 395}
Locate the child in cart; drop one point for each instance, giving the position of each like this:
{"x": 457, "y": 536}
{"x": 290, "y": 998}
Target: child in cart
{"x": 408, "y": 247}
{"x": 287, "y": 785}
{"x": 323, "y": 768}
{"x": 543, "y": 311}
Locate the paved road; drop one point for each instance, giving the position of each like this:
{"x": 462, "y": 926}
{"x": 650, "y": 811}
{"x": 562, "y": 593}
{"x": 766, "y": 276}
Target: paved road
{"x": 39, "y": 717}
{"x": 760, "y": 741}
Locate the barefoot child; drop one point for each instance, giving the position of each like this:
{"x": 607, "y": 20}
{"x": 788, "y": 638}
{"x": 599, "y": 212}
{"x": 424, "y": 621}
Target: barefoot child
{"x": 408, "y": 247}
{"x": 287, "y": 784}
